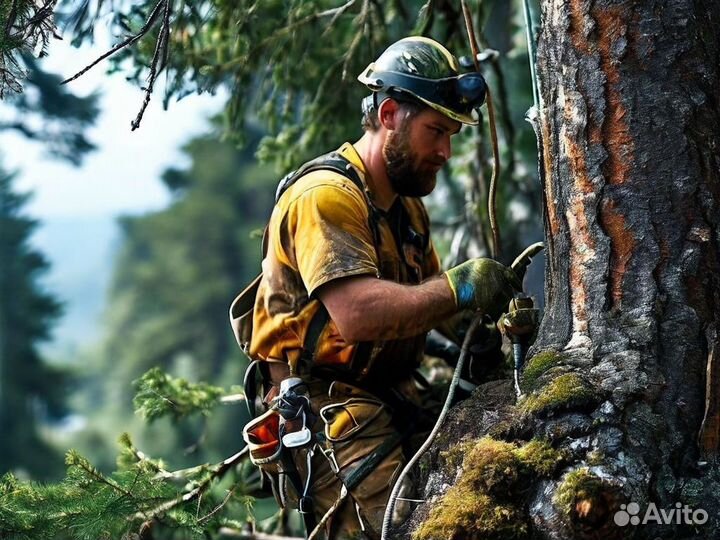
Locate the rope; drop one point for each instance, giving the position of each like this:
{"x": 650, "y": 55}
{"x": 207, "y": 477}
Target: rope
{"x": 321, "y": 524}
{"x": 495, "y": 244}
{"x": 464, "y": 351}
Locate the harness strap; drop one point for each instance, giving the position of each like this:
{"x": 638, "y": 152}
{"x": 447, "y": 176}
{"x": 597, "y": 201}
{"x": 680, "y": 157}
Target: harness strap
{"x": 334, "y": 162}
{"x": 305, "y": 503}
{"x": 306, "y": 506}
{"x": 374, "y": 458}
{"x": 304, "y": 363}
{"x": 312, "y": 337}
{"x": 250, "y": 387}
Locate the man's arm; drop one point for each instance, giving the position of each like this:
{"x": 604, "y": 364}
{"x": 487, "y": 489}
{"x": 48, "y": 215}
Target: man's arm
{"x": 368, "y": 309}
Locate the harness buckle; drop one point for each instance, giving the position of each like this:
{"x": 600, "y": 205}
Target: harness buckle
{"x": 329, "y": 453}
{"x": 305, "y": 505}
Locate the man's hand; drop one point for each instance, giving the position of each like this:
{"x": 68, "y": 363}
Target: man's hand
{"x": 483, "y": 284}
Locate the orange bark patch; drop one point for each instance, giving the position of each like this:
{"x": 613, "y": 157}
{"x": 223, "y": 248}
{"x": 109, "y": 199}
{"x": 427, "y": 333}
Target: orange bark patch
{"x": 577, "y": 29}
{"x": 622, "y": 244}
{"x": 577, "y": 296}
{"x": 615, "y": 132}
{"x": 582, "y": 246}
{"x": 584, "y": 508}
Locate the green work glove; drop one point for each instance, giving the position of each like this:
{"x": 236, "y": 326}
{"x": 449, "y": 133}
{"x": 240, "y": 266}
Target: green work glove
{"x": 483, "y": 284}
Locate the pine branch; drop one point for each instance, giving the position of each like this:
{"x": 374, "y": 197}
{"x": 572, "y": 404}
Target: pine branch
{"x": 19, "y": 126}
{"x": 24, "y": 25}
{"x": 159, "y": 59}
{"x": 129, "y": 41}
{"x": 74, "y": 459}
{"x": 362, "y": 22}
{"x": 222, "y": 468}
{"x": 336, "y": 13}
{"x": 161, "y": 52}
{"x": 219, "y": 506}
{"x": 425, "y": 18}
{"x": 287, "y": 29}
{"x": 159, "y": 394}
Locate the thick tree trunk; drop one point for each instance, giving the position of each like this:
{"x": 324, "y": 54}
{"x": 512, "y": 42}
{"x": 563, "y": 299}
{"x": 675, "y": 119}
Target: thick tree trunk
{"x": 630, "y": 126}
{"x": 623, "y": 381}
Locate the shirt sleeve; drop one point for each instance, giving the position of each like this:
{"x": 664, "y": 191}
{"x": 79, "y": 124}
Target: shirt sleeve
{"x": 331, "y": 233}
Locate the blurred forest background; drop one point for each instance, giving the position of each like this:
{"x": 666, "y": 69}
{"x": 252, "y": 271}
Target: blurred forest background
{"x": 284, "y": 75}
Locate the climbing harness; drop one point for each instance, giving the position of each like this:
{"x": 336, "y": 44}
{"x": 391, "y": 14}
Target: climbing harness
{"x": 275, "y": 436}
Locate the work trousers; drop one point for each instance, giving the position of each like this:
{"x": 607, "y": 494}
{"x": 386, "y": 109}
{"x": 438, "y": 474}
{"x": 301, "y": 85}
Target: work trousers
{"x": 354, "y": 424}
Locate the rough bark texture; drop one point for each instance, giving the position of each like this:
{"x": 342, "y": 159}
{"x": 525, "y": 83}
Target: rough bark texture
{"x": 623, "y": 380}
{"x": 631, "y": 136}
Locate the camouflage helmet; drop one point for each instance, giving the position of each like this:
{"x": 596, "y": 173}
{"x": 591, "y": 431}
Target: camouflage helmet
{"x": 421, "y": 69}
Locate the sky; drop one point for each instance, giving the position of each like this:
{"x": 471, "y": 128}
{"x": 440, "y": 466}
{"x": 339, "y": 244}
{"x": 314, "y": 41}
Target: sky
{"x": 76, "y": 207}
{"x": 122, "y": 176}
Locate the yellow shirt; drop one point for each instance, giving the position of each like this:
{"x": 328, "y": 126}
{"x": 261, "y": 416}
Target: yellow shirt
{"x": 320, "y": 231}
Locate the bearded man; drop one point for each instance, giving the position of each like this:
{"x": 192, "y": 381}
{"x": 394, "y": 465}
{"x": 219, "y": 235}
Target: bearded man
{"x": 351, "y": 285}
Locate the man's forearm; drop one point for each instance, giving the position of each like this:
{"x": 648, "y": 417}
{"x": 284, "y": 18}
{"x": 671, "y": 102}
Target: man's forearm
{"x": 369, "y": 309}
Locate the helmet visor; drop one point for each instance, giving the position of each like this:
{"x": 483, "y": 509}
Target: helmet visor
{"x": 461, "y": 94}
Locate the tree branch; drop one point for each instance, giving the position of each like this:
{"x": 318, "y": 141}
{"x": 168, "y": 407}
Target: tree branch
{"x": 161, "y": 52}
{"x": 222, "y": 468}
{"x": 219, "y": 506}
{"x": 362, "y": 21}
{"x": 233, "y": 398}
{"x": 129, "y": 41}
{"x": 159, "y": 59}
{"x": 21, "y": 127}
{"x": 101, "y": 479}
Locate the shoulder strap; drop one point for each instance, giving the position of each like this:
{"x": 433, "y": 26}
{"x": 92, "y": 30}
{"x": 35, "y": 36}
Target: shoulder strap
{"x": 329, "y": 162}
{"x": 337, "y": 163}
{"x": 241, "y": 311}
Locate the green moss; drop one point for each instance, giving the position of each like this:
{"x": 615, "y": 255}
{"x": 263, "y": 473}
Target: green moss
{"x": 491, "y": 465}
{"x": 539, "y": 457}
{"x": 537, "y": 366}
{"x": 595, "y": 457}
{"x": 579, "y": 492}
{"x": 567, "y": 390}
{"x": 453, "y": 457}
{"x": 467, "y": 514}
{"x": 487, "y": 501}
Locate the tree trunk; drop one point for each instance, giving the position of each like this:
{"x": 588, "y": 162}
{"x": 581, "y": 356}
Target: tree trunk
{"x": 631, "y": 141}
{"x": 623, "y": 379}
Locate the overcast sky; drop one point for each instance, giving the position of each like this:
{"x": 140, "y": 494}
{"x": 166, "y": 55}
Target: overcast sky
{"x": 77, "y": 206}
{"x": 122, "y": 176}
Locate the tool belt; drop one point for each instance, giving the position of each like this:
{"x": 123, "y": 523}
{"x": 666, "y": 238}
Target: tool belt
{"x": 344, "y": 414}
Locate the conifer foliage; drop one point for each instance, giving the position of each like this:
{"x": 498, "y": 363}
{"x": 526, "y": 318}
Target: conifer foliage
{"x": 26, "y": 26}
{"x": 137, "y": 499}
{"x": 30, "y": 390}
{"x": 142, "y": 499}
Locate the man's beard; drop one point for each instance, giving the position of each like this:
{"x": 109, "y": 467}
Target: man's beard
{"x": 405, "y": 177}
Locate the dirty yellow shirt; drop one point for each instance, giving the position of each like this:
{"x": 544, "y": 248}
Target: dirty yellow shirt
{"x": 320, "y": 231}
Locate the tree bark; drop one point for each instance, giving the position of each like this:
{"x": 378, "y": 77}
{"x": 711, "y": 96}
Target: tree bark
{"x": 623, "y": 378}
{"x": 630, "y": 123}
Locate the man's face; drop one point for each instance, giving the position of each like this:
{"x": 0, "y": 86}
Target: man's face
{"x": 417, "y": 150}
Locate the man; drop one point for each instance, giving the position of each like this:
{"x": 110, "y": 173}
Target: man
{"x": 351, "y": 285}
